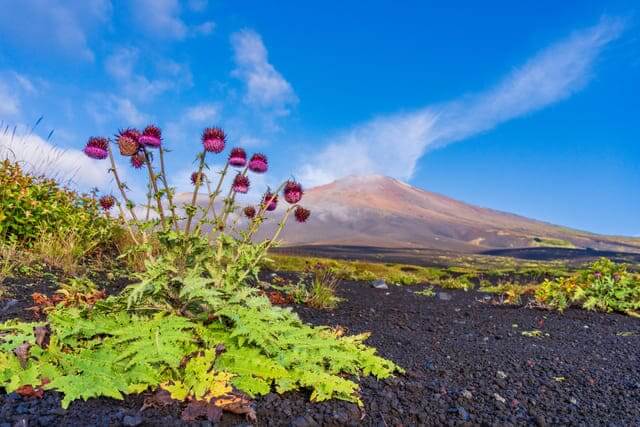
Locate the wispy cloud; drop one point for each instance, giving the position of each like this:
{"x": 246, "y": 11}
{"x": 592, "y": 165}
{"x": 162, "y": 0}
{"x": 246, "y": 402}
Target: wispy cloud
{"x": 54, "y": 24}
{"x": 9, "y": 102}
{"x": 159, "y": 18}
{"x": 104, "y": 107}
{"x": 392, "y": 145}
{"x": 266, "y": 88}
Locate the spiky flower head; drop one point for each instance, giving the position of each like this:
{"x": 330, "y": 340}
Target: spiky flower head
{"x": 292, "y": 192}
{"x": 107, "y": 202}
{"x": 270, "y": 201}
{"x": 213, "y": 140}
{"x": 302, "y": 214}
{"x": 137, "y": 160}
{"x": 258, "y": 163}
{"x": 249, "y": 212}
{"x": 97, "y": 148}
{"x": 241, "y": 184}
{"x": 197, "y": 178}
{"x": 128, "y": 141}
{"x": 238, "y": 157}
{"x": 151, "y": 136}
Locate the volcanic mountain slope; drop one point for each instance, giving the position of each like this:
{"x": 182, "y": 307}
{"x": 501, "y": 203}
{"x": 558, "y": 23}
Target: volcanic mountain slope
{"x": 384, "y": 212}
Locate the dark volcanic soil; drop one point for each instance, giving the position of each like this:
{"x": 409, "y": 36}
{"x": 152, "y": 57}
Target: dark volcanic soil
{"x": 467, "y": 362}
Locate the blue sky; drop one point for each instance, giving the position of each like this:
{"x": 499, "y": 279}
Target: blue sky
{"x": 527, "y": 108}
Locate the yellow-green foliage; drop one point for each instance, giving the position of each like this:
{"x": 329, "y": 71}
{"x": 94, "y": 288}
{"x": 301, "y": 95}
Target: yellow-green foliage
{"x": 139, "y": 340}
{"x": 604, "y": 286}
{"x": 359, "y": 270}
{"x": 54, "y": 222}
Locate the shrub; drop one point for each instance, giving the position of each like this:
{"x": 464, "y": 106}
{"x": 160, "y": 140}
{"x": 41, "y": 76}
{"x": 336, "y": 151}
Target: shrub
{"x": 192, "y": 325}
{"x": 322, "y": 291}
{"x": 56, "y": 223}
{"x": 604, "y": 286}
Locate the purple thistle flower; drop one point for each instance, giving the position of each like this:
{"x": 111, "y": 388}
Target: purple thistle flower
{"x": 238, "y": 157}
{"x": 241, "y": 184}
{"x": 270, "y": 201}
{"x": 107, "y": 202}
{"x": 97, "y": 148}
{"x": 137, "y": 160}
{"x": 213, "y": 140}
{"x": 151, "y": 136}
{"x": 258, "y": 163}
{"x": 293, "y": 192}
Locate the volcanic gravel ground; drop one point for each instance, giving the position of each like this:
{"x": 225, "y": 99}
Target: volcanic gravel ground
{"x": 466, "y": 361}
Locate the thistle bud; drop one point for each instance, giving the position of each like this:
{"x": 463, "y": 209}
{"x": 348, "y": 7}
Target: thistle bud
{"x": 270, "y": 201}
{"x": 197, "y": 178}
{"x": 107, "y": 202}
{"x": 302, "y": 214}
{"x": 250, "y": 212}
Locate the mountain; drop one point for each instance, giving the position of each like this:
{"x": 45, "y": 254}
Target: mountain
{"x": 384, "y": 212}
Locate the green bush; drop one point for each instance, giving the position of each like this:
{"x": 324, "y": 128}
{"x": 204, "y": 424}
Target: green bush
{"x": 604, "y": 286}
{"x": 36, "y": 212}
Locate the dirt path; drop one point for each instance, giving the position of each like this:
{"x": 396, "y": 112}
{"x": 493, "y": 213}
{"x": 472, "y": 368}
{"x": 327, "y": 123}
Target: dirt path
{"x": 466, "y": 361}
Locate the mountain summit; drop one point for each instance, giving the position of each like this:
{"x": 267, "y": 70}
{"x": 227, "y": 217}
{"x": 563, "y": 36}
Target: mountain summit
{"x": 381, "y": 211}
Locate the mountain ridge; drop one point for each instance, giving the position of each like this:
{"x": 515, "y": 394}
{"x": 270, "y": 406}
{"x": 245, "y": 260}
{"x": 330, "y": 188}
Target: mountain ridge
{"x": 380, "y": 211}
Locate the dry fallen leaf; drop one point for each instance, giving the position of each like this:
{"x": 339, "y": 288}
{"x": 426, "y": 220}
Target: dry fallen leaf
{"x": 157, "y": 400}
{"x": 42, "y": 334}
{"x": 202, "y": 409}
{"x": 22, "y": 353}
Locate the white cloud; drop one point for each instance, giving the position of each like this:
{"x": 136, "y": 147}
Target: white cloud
{"x": 9, "y": 102}
{"x": 103, "y": 107}
{"x": 191, "y": 121}
{"x": 54, "y": 24}
{"x": 392, "y": 145}
{"x": 159, "y": 18}
{"x": 266, "y": 88}
{"x": 203, "y": 29}
{"x": 203, "y": 113}
{"x": 40, "y": 157}
{"x": 121, "y": 66}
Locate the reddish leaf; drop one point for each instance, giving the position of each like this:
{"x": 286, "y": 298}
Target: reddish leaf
{"x": 237, "y": 404}
{"x": 22, "y": 353}
{"x": 43, "y": 334}
{"x": 29, "y": 391}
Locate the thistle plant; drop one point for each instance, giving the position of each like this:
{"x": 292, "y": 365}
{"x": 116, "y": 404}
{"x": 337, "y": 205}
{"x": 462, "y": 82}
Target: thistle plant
{"x": 221, "y": 214}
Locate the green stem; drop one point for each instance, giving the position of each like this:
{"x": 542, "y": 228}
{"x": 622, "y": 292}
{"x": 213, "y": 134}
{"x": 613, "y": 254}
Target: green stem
{"x": 154, "y": 185}
{"x": 196, "y": 187}
{"x": 213, "y": 196}
{"x": 163, "y": 175}
{"x": 121, "y": 186}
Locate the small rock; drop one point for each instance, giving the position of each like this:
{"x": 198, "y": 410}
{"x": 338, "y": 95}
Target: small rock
{"x": 303, "y": 421}
{"x": 443, "y": 296}
{"x": 379, "y": 284}
{"x": 460, "y": 411}
{"x": 501, "y": 375}
{"x": 7, "y": 305}
{"x": 541, "y": 421}
{"x": 573, "y": 401}
{"x": 132, "y": 421}
{"x": 467, "y": 394}
{"x": 22, "y": 422}
{"x": 499, "y": 398}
